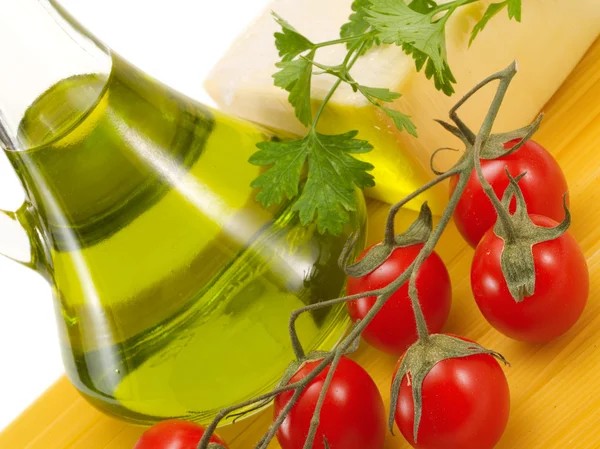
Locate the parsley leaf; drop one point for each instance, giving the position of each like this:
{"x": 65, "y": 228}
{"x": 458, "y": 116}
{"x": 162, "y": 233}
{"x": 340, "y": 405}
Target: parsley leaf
{"x": 490, "y": 12}
{"x": 514, "y": 11}
{"x": 295, "y": 76}
{"x": 422, "y": 6}
{"x": 375, "y": 95}
{"x": 333, "y": 175}
{"x": 380, "y": 93}
{"x": 402, "y": 121}
{"x": 357, "y": 24}
{"x": 282, "y": 179}
{"x": 422, "y": 35}
{"x": 289, "y": 42}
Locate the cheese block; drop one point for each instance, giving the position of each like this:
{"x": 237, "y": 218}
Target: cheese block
{"x": 548, "y": 43}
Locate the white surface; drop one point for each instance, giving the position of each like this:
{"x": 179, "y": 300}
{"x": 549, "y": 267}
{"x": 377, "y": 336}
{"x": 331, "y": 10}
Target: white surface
{"x": 176, "y": 41}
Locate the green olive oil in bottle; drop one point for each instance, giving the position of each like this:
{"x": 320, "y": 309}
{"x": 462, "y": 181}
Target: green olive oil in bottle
{"x": 173, "y": 286}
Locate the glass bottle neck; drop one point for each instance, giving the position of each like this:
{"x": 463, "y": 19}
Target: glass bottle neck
{"x": 41, "y": 45}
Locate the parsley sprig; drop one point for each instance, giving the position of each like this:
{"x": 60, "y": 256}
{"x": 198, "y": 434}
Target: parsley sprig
{"x": 318, "y": 171}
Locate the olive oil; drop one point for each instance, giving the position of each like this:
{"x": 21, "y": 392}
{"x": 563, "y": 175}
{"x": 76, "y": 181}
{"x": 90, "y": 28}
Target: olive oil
{"x": 173, "y": 286}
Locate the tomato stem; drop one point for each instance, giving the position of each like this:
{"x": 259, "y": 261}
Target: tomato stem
{"x": 504, "y": 217}
{"x": 296, "y": 345}
{"x": 426, "y": 251}
{"x": 435, "y": 153}
{"x": 297, "y": 387}
{"x": 390, "y": 232}
{"x": 266, "y": 439}
{"x": 314, "y": 422}
{"x": 505, "y": 77}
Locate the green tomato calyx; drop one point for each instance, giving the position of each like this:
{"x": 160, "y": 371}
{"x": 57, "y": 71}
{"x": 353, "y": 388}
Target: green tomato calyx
{"x": 420, "y": 359}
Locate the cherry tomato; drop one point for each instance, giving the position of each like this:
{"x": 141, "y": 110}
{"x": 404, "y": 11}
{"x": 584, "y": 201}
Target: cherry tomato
{"x": 466, "y": 402}
{"x": 543, "y": 188}
{"x": 394, "y": 329}
{"x": 352, "y": 417}
{"x": 561, "y": 287}
{"x": 174, "y": 434}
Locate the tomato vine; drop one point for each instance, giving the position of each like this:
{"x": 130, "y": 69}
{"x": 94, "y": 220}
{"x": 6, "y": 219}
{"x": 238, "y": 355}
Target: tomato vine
{"x": 429, "y": 349}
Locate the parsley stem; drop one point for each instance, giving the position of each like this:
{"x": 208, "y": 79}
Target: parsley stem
{"x": 340, "y": 41}
{"x": 327, "y": 69}
{"x": 452, "y": 5}
{"x": 324, "y": 103}
{"x": 351, "y": 58}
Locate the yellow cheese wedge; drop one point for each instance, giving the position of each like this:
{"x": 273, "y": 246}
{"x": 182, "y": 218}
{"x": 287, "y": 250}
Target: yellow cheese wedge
{"x": 552, "y": 38}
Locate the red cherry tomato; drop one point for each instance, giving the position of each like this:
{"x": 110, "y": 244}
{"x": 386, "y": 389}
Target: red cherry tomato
{"x": 174, "y": 434}
{"x": 352, "y": 417}
{"x": 394, "y": 329}
{"x": 543, "y": 188}
{"x": 561, "y": 287}
{"x": 466, "y": 402}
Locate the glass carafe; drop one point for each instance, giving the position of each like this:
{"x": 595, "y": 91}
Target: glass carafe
{"x": 172, "y": 285}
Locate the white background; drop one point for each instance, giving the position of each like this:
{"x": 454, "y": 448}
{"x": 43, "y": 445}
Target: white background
{"x": 176, "y": 41}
